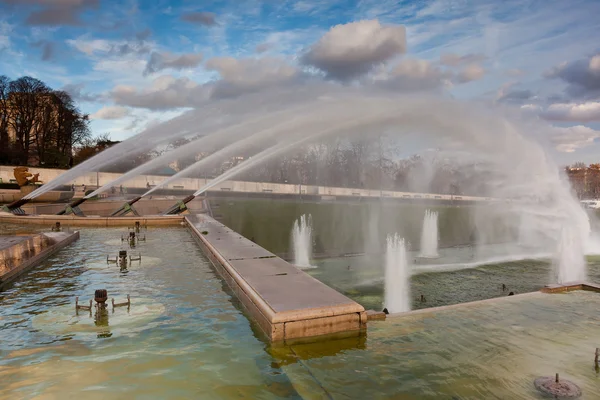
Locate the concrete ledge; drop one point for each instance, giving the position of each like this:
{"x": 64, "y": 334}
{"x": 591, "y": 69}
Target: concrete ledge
{"x": 570, "y": 286}
{"x": 72, "y": 220}
{"x": 553, "y": 288}
{"x": 285, "y": 302}
{"x": 21, "y": 253}
{"x": 460, "y": 305}
{"x": 373, "y": 315}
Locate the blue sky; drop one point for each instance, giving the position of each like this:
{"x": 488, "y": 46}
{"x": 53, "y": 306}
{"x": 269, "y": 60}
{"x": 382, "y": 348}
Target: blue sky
{"x": 131, "y": 63}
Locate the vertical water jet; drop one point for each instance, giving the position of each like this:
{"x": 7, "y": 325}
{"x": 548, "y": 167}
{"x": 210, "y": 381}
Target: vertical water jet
{"x": 429, "y": 235}
{"x": 570, "y": 263}
{"x": 302, "y": 241}
{"x": 397, "y": 276}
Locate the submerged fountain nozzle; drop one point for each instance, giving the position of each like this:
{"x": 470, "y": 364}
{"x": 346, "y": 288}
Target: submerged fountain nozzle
{"x": 557, "y": 388}
{"x": 100, "y": 297}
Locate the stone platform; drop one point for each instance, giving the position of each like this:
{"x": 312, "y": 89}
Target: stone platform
{"x": 18, "y": 254}
{"x": 285, "y": 302}
{"x": 570, "y": 286}
{"x": 73, "y": 220}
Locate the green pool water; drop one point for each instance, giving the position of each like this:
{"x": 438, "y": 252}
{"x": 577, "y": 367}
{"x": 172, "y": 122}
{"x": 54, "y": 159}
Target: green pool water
{"x": 458, "y": 276}
{"x": 491, "y": 350}
{"x": 185, "y": 336}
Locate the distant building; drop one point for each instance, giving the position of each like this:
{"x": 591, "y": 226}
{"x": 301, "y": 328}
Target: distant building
{"x": 585, "y": 180}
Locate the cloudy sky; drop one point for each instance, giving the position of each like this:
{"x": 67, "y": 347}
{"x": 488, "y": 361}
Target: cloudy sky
{"x": 133, "y": 63}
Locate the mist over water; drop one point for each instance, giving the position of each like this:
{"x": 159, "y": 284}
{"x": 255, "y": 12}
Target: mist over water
{"x": 516, "y": 165}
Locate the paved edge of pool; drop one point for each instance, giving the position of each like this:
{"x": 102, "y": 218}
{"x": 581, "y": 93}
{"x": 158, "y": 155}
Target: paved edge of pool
{"x": 158, "y": 220}
{"x": 548, "y": 289}
{"x": 17, "y": 259}
{"x": 285, "y": 302}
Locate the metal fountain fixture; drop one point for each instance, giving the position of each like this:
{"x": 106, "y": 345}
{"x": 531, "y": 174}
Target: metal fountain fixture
{"x": 123, "y": 260}
{"x": 101, "y": 297}
{"x": 101, "y": 315}
{"x": 15, "y": 207}
{"x": 180, "y": 207}
{"x": 127, "y": 208}
{"x": 73, "y": 208}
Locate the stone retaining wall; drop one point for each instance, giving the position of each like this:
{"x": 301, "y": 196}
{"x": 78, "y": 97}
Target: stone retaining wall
{"x": 22, "y": 255}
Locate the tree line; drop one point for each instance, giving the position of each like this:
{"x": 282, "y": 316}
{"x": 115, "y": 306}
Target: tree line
{"x": 39, "y": 126}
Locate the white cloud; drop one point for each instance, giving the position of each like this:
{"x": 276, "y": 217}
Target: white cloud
{"x": 515, "y": 72}
{"x": 110, "y": 112}
{"x": 455, "y": 60}
{"x": 573, "y": 112}
{"x": 5, "y": 35}
{"x": 571, "y": 139}
{"x": 90, "y": 47}
{"x": 164, "y": 60}
{"x": 413, "y": 75}
{"x": 350, "y": 50}
{"x": 165, "y": 92}
{"x": 249, "y": 74}
{"x": 471, "y": 73}
{"x": 582, "y": 77}
{"x": 509, "y": 94}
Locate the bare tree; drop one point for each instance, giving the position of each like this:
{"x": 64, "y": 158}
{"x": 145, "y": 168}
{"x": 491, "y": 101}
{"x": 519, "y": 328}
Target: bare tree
{"x": 26, "y": 95}
{"x": 5, "y": 147}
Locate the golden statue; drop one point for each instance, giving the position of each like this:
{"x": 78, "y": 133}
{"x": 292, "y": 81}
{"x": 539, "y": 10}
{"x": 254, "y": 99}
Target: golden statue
{"x": 21, "y": 175}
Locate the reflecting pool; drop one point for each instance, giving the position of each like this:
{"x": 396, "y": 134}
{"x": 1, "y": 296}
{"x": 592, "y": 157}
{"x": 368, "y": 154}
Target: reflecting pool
{"x": 489, "y": 350}
{"x": 183, "y": 336}
{"x": 460, "y": 275}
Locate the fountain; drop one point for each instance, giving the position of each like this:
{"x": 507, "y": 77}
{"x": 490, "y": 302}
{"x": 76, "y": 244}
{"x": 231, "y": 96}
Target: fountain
{"x": 397, "y": 276}
{"x": 272, "y": 126}
{"x": 302, "y": 241}
{"x": 569, "y": 262}
{"x": 429, "y": 235}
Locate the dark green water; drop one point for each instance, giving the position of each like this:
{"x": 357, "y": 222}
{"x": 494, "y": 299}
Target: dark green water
{"x": 340, "y": 228}
{"x": 363, "y": 282}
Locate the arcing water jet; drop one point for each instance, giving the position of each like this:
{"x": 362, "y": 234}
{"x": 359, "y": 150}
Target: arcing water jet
{"x": 518, "y": 167}
{"x": 215, "y": 138}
